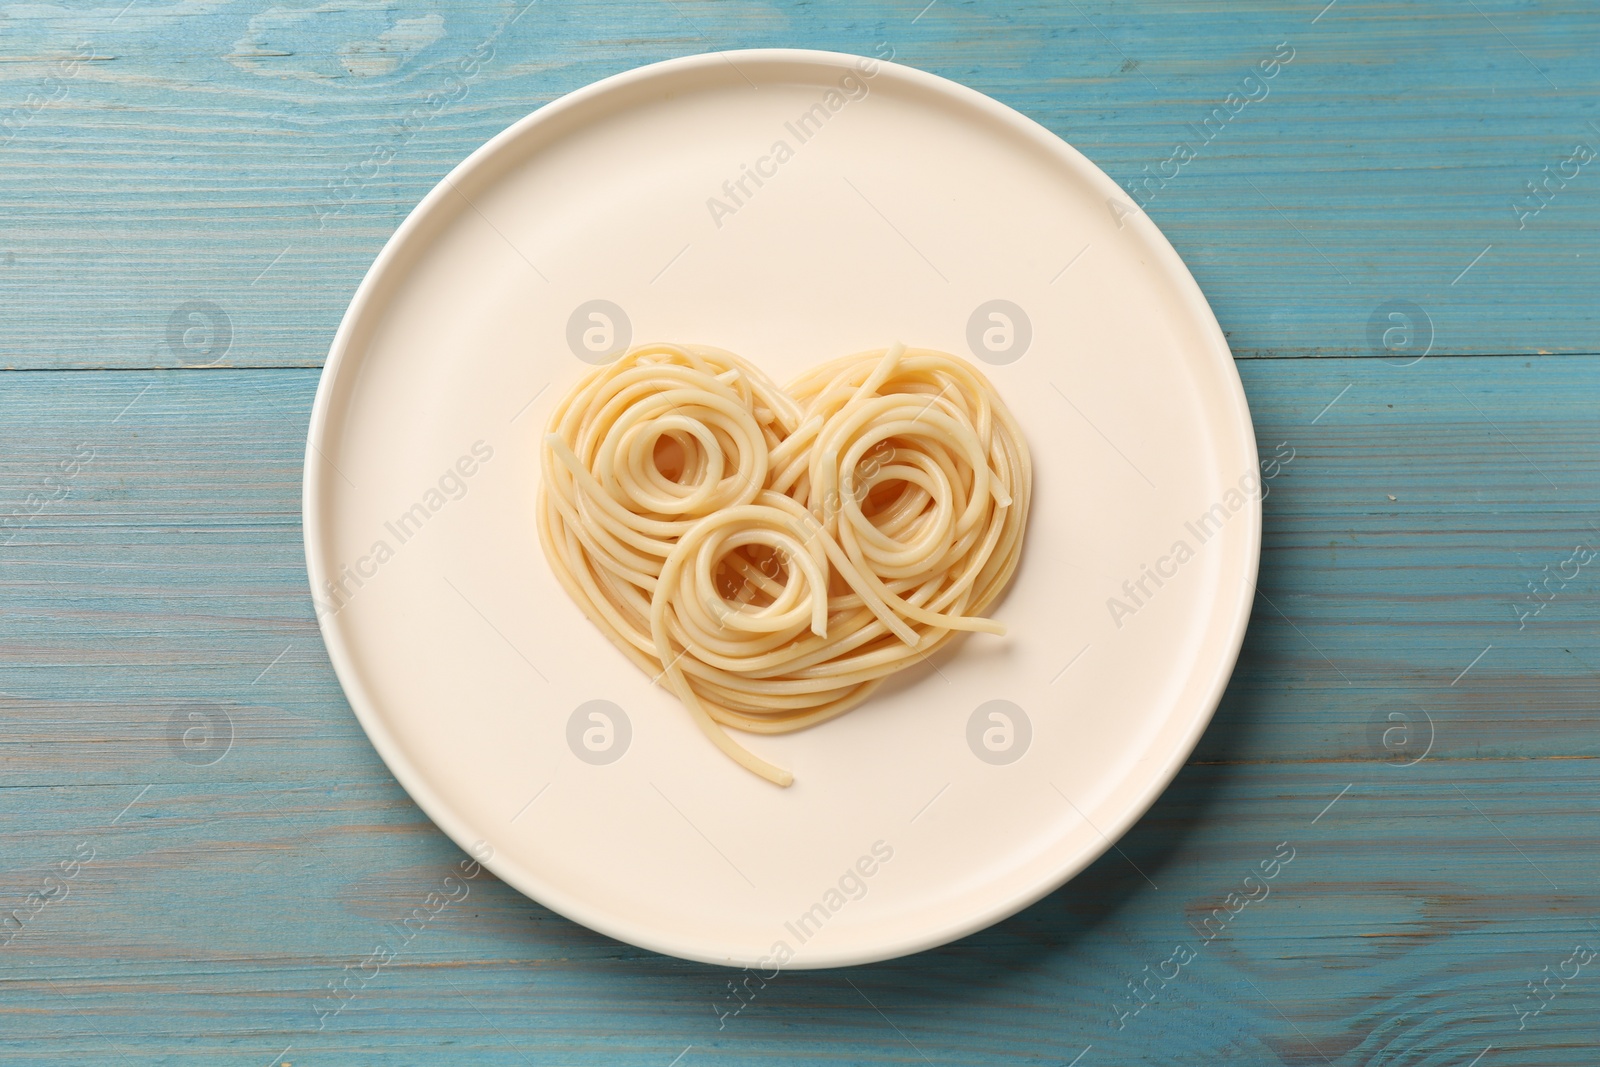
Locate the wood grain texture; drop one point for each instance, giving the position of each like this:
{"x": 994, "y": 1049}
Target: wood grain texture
{"x": 203, "y": 141}
{"x": 1401, "y": 717}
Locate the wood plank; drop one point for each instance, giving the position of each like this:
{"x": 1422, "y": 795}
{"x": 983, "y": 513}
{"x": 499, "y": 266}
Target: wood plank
{"x": 222, "y": 899}
{"x": 177, "y": 545}
{"x": 211, "y": 919}
{"x": 237, "y": 167}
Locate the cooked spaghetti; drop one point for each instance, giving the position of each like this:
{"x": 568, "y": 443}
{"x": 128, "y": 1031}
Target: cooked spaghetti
{"x": 773, "y": 554}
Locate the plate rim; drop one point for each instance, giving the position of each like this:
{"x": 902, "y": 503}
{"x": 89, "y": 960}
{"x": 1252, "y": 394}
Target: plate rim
{"x": 525, "y": 881}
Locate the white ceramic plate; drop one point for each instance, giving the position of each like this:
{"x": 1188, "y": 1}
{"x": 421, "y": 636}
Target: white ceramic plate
{"x": 900, "y": 207}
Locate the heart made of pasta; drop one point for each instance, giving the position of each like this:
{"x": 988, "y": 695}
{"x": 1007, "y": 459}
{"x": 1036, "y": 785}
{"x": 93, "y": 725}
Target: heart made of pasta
{"x": 774, "y": 554}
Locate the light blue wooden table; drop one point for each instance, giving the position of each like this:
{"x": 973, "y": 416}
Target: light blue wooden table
{"x": 187, "y": 182}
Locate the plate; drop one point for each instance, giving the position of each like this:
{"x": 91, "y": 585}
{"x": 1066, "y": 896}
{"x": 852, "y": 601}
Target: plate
{"x": 790, "y": 206}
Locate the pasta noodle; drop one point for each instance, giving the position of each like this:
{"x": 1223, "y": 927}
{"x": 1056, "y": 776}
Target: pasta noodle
{"x": 770, "y": 554}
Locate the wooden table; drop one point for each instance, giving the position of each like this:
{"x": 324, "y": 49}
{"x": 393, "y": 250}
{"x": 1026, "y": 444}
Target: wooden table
{"x": 190, "y": 192}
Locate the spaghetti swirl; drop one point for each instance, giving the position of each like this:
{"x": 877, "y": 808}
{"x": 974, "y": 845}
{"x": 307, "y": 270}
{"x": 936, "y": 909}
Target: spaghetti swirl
{"x": 774, "y": 554}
